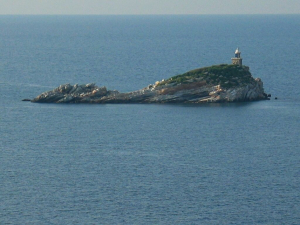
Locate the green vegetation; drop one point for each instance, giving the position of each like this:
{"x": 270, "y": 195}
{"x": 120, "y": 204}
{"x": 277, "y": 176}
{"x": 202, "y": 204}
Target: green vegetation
{"x": 225, "y": 75}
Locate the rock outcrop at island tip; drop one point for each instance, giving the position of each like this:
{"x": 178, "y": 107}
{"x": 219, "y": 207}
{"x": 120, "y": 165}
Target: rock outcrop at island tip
{"x": 221, "y": 83}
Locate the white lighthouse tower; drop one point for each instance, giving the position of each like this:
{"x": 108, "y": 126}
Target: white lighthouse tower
{"x": 237, "y": 60}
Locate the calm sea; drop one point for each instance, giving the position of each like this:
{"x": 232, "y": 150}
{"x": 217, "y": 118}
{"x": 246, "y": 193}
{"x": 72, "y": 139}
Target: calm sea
{"x": 147, "y": 163}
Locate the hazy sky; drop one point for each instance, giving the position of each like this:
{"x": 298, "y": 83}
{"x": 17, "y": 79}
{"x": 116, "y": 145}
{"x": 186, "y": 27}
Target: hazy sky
{"x": 149, "y": 6}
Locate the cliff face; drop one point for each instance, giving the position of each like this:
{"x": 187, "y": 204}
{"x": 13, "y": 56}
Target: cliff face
{"x": 222, "y": 83}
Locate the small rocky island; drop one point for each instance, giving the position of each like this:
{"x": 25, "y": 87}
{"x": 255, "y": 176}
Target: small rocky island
{"x": 219, "y": 83}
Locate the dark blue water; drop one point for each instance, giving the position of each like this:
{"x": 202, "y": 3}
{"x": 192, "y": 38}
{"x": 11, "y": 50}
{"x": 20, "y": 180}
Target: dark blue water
{"x": 147, "y": 164}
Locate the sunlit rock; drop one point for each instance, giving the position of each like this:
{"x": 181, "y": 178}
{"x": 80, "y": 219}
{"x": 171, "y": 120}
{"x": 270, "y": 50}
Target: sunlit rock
{"x": 220, "y": 83}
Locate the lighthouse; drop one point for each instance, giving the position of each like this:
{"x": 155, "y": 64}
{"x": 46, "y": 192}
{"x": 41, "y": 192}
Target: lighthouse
{"x": 237, "y": 60}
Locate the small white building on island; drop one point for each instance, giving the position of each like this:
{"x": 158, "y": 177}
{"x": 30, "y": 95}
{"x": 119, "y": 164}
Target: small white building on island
{"x": 237, "y": 60}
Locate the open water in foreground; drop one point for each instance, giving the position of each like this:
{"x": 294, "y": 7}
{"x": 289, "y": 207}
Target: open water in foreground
{"x": 140, "y": 163}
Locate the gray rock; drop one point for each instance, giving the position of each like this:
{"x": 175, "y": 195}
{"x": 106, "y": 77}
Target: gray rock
{"x": 197, "y": 89}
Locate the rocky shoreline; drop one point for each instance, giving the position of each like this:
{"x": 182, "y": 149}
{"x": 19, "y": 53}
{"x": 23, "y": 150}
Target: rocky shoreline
{"x": 220, "y": 83}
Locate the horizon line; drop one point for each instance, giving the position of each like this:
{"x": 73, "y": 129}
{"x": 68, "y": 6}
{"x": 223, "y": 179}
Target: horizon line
{"x": 158, "y": 14}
